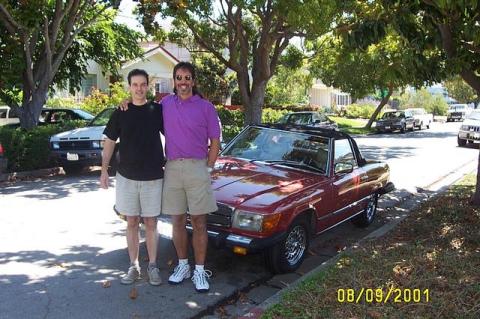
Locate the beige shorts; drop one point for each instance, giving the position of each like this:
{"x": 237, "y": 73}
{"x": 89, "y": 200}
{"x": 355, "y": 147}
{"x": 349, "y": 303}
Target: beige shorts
{"x": 138, "y": 198}
{"x": 187, "y": 188}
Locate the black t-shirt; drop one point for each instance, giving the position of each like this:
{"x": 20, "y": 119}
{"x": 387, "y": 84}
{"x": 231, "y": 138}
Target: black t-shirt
{"x": 141, "y": 151}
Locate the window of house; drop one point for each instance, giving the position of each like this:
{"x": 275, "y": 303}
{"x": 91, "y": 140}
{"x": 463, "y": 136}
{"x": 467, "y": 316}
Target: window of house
{"x": 89, "y": 82}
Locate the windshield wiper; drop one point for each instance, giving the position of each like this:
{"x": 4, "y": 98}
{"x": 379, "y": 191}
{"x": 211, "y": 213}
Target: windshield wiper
{"x": 295, "y": 164}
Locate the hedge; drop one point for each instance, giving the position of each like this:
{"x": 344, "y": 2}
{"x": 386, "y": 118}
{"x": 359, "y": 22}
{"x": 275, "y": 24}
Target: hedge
{"x": 29, "y": 150}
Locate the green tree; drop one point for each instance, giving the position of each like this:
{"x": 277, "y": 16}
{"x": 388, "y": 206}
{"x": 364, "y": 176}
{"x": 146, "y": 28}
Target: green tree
{"x": 212, "y": 80}
{"x": 453, "y": 27}
{"x": 47, "y": 43}
{"x": 459, "y": 90}
{"x": 247, "y": 36}
{"x": 432, "y": 103}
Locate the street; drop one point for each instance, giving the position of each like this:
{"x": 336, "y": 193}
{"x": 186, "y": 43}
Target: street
{"x": 62, "y": 248}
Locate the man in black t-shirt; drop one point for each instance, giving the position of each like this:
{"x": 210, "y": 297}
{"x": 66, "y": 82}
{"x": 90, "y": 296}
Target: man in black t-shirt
{"x": 139, "y": 177}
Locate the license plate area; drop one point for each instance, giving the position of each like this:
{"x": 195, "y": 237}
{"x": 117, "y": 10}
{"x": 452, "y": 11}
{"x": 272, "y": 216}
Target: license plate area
{"x": 72, "y": 157}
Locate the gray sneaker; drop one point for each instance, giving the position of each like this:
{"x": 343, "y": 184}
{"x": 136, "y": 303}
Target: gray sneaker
{"x": 132, "y": 275}
{"x": 154, "y": 278}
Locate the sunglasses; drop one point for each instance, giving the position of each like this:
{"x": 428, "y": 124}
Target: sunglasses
{"x": 186, "y": 77}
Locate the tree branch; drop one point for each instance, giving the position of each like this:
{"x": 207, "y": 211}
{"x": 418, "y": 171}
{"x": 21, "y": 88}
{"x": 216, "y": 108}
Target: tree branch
{"x": 12, "y": 26}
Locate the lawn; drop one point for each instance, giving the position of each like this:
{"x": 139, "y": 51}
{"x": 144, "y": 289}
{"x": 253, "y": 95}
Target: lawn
{"x": 427, "y": 267}
{"x": 351, "y": 126}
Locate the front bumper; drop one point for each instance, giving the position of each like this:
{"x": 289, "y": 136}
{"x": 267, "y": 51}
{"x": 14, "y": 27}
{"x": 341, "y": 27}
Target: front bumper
{"x": 84, "y": 157}
{"x": 224, "y": 239}
{"x": 469, "y": 136}
{"x": 389, "y": 128}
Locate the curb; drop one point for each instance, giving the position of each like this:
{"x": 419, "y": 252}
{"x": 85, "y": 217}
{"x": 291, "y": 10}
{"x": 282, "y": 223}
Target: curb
{"x": 258, "y": 310}
{"x": 11, "y": 177}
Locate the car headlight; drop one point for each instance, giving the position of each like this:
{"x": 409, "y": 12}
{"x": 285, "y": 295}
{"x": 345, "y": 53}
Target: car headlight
{"x": 97, "y": 144}
{"x": 55, "y": 145}
{"x": 255, "y": 222}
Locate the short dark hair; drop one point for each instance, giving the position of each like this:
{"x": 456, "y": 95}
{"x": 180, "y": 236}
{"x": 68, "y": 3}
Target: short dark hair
{"x": 136, "y": 72}
{"x": 190, "y": 68}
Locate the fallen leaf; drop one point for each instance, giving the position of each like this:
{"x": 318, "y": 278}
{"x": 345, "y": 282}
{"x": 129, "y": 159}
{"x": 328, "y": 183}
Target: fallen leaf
{"x": 106, "y": 284}
{"x": 374, "y": 314}
{"x": 133, "y": 293}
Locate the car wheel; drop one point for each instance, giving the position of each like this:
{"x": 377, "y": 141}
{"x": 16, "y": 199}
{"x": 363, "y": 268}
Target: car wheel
{"x": 403, "y": 129}
{"x": 461, "y": 142}
{"x": 366, "y": 217}
{"x": 428, "y": 125}
{"x": 288, "y": 254}
{"x": 72, "y": 169}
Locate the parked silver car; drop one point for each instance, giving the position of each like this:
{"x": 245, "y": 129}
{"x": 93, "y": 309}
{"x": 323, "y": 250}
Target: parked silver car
{"x": 470, "y": 129}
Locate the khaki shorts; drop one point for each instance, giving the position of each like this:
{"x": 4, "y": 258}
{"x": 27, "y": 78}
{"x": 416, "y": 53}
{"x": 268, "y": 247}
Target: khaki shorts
{"x": 138, "y": 198}
{"x": 187, "y": 188}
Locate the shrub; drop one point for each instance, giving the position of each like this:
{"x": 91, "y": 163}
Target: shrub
{"x": 363, "y": 111}
{"x": 29, "y": 150}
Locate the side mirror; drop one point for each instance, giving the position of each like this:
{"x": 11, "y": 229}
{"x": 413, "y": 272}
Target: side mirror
{"x": 343, "y": 168}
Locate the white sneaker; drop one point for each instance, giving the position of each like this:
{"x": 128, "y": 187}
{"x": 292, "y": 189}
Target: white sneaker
{"x": 180, "y": 273}
{"x": 200, "y": 280}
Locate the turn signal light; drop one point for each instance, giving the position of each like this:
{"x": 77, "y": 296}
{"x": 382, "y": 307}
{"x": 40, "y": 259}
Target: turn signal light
{"x": 239, "y": 250}
{"x": 270, "y": 222}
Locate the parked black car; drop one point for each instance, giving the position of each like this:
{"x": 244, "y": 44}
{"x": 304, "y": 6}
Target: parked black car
{"x": 308, "y": 118}
{"x": 59, "y": 115}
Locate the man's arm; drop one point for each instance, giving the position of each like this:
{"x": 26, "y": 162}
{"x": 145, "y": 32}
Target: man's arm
{"x": 108, "y": 148}
{"x": 213, "y": 151}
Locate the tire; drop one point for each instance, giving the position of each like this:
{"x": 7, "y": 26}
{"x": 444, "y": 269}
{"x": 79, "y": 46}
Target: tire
{"x": 461, "y": 142}
{"x": 366, "y": 217}
{"x": 403, "y": 129}
{"x": 428, "y": 126}
{"x": 420, "y": 126}
{"x": 288, "y": 254}
{"x": 72, "y": 169}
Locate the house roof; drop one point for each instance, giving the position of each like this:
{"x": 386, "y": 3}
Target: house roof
{"x": 156, "y": 50}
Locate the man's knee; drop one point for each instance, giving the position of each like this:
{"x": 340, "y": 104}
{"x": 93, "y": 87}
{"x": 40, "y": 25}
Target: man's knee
{"x": 150, "y": 223}
{"x": 133, "y": 221}
{"x": 199, "y": 223}
{"x": 179, "y": 221}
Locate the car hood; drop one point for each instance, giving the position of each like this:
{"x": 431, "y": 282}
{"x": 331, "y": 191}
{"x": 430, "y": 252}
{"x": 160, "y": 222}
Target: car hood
{"x": 89, "y": 132}
{"x": 259, "y": 186}
{"x": 388, "y": 121}
{"x": 471, "y": 122}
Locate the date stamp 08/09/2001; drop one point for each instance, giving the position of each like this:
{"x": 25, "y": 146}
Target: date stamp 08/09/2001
{"x": 379, "y": 295}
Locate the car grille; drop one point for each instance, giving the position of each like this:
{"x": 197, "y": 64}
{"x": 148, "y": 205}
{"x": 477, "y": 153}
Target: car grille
{"x": 456, "y": 114}
{"x": 222, "y": 217}
{"x": 471, "y": 128}
{"x": 75, "y": 145}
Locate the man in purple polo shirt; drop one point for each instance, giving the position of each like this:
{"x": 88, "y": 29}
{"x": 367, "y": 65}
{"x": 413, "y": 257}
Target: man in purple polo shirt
{"x": 190, "y": 122}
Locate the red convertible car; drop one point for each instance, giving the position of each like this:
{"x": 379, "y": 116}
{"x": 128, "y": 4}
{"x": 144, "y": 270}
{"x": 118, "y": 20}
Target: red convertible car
{"x": 277, "y": 186}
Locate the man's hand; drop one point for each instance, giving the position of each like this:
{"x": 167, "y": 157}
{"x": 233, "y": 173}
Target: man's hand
{"x": 124, "y": 104}
{"x": 104, "y": 179}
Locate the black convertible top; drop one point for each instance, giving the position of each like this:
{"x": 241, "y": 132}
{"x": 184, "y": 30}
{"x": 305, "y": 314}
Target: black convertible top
{"x": 319, "y": 131}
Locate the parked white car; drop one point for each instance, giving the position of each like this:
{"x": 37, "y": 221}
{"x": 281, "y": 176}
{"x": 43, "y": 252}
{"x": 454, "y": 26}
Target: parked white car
{"x": 458, "y": 112}
{"x": 470, "y": 129}
{"x": 81, "y": 147}
{"x": 7, "y": 116}
{"x": 420, "y": 117}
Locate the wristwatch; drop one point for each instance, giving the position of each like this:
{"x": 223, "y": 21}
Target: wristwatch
{"x": 209, "y": 169}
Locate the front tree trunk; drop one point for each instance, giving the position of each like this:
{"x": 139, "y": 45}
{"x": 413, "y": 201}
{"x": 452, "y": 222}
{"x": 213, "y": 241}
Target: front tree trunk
{"x": 31, "y": 110}
{"x": 379, "y": 108}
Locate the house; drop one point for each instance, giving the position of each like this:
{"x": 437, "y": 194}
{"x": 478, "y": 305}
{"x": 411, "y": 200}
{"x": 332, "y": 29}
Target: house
{"x": 328, "y": 97}
{"x": 158, "y": 61}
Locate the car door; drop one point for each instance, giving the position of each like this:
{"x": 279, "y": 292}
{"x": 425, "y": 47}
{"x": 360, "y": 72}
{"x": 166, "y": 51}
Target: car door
{"x": 347, "y": 182}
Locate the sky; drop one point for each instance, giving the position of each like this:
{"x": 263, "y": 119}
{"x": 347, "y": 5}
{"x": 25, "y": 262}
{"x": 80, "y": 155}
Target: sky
{"x": 125, "y": 16}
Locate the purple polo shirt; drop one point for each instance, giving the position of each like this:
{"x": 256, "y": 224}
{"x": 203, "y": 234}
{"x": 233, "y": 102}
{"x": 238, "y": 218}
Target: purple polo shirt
{"x": 188, "y": 125}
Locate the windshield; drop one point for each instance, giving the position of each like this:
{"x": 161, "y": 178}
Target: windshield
{"x": 102, "y": 118}
{"x": 272, "y": 145}
{"x": 392, "y": 115}
{"x": 84, "y": 115}
{"x": 457, "y": 107}
{"x": 475, "y": 115}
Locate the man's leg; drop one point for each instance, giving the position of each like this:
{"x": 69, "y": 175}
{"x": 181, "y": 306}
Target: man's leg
{"x": 179, "y": 235}
{"x": 151, "y": 237}
{"x": 132, "y": 238}
{"x": 200, "y": 238}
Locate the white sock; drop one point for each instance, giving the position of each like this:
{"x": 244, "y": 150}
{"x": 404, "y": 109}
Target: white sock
{"x": 183, "y": 261}
{"x": 199, "y": 267}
